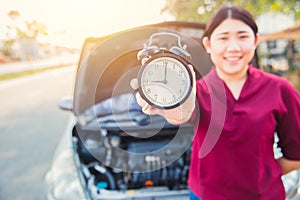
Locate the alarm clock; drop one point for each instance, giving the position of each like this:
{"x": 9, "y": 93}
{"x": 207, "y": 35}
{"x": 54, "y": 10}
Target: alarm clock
{"x": 165, "y": 80}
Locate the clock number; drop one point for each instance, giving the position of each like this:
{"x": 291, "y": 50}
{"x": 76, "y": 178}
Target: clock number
{"x": 146, "y": 81}
{"x": 174, "y": 97}
{"x": 180, "y": 73}
{"x": 148, "y": 90}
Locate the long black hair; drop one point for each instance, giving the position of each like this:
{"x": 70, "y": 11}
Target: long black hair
{"x": 233, "y": 12}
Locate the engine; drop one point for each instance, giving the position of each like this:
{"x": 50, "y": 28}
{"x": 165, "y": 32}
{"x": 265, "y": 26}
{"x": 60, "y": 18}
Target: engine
{"x": 118, "y": 160}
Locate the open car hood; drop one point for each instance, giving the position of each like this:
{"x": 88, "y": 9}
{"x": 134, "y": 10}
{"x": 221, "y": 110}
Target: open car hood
{"x": 108, "y": 64}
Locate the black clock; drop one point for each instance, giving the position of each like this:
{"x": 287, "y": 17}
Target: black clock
{"x": 165, "y": 80}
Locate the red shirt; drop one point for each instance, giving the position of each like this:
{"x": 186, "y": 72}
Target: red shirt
{"x": 232, "y": 154}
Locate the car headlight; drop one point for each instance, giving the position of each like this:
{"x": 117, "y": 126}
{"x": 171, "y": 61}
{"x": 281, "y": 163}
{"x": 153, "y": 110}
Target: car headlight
{"x": 63, "y": 179}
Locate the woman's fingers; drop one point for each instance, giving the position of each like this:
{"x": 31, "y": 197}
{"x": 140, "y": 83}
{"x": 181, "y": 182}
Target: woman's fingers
{"x": 140, "y": 100}
{"x": 146, "y": 108}
{"x": 134, "y": 84}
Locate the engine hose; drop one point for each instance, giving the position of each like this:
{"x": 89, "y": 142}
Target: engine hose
{"x": 156, "y": 177}
{"x": 108, "y": 175}
{"x": 177, "y": 173}
{"x": 171, "y": 174}
{"x": 184, "y": 173}
{"x": 164, "y": 175}
{"x": 109, "y": 152}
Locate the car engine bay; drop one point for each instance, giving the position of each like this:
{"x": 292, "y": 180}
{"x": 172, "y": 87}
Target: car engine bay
{"x": 120, "y": 158}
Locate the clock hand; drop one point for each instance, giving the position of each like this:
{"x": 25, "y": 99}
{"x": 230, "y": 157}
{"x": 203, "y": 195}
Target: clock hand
{"x": 163, "y": 81}
{"x": 165, "y": 74}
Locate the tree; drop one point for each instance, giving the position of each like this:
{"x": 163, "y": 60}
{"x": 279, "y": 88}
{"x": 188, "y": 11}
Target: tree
{"x": 200, "y": 10}
{"x": 28, "y": 38}
{"x": 24, "y": 38}
{"x": 33, "y": 29}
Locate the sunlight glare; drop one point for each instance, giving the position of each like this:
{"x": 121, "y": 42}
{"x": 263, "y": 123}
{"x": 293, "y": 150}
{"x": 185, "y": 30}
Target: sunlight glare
{"x": 68, "y": 22}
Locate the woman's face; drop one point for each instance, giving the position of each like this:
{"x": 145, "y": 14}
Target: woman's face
{"x": 231, "y": 46}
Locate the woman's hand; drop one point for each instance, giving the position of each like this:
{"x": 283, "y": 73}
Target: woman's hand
{"x": 178, "y": 115}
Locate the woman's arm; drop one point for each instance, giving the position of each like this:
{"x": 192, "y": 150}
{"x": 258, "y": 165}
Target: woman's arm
{"x": 288, "y": 127}
{"x": 288, "y": 165}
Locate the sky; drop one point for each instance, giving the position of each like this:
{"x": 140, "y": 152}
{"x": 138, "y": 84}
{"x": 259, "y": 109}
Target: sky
{"x": 68, "y": 22}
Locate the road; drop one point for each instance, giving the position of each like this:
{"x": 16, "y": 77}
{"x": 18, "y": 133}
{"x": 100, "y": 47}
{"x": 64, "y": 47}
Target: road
{"x": 30, "y": 127}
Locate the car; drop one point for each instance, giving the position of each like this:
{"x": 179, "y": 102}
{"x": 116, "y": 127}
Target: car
{"x": 110, "y": 149}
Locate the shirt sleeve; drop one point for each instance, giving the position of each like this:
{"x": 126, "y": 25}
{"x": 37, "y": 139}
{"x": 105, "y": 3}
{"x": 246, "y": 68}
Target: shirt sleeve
{"x": 288, "y": 127}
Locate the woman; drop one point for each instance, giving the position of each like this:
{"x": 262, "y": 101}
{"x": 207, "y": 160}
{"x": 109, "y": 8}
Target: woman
{"x": 238, "y": 109}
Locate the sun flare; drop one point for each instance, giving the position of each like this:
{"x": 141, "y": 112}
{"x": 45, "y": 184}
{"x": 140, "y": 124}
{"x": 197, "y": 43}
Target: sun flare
{"x": 70, "y": 21}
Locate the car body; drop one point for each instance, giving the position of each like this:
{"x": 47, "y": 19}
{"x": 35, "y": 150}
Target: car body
{"x": 111, "y": 150}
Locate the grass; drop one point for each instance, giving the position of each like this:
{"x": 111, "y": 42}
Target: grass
{"x": 28, "y": 72}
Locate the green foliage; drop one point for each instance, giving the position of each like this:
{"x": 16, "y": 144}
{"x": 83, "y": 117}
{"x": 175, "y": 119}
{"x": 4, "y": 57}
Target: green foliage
{"x": 33, "y": 29}
{"x": 200, "y": 10}
{"x": 15, "y": 34}
{"x": 5, "y": 48}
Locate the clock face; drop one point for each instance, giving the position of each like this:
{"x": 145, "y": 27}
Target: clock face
{"x": 165, "y": 81}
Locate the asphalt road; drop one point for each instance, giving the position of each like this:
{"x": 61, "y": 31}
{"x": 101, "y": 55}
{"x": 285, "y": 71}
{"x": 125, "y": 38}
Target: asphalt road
{"x": 30, "y": 127}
